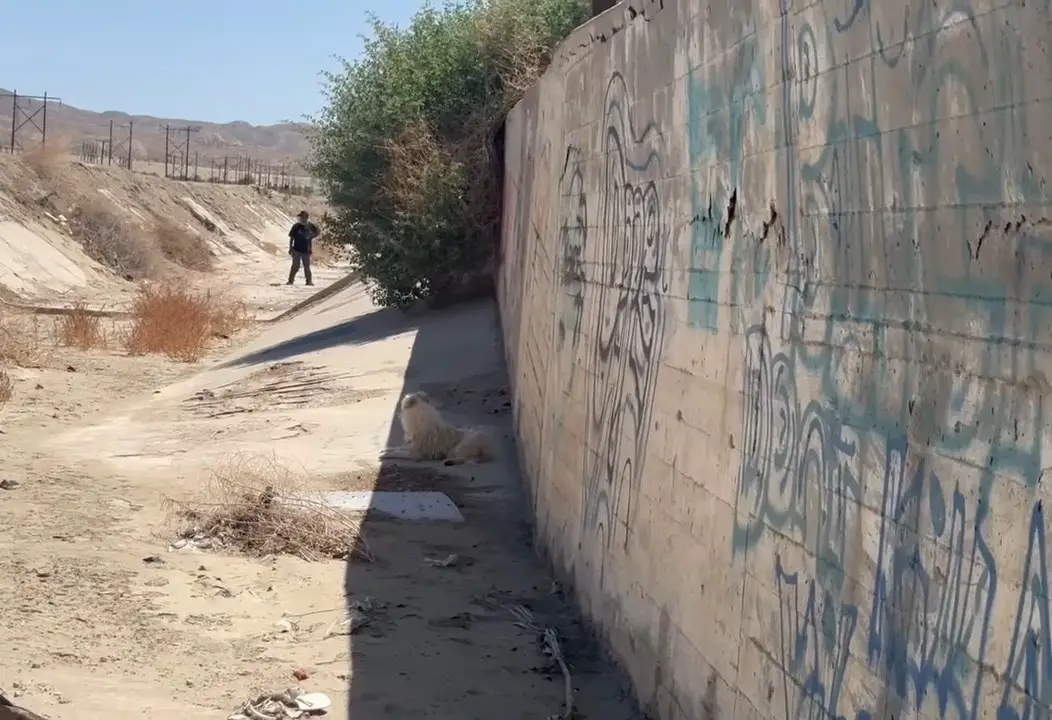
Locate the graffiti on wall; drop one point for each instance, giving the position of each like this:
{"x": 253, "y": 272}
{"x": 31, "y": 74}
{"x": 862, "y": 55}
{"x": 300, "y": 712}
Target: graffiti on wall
{"x": 718, "y": 116}
{"x": 567, "y": 271}
{"x": 895, "y": 338}
{"x": 573, "y": 244}
{"x": 626, "y": 314}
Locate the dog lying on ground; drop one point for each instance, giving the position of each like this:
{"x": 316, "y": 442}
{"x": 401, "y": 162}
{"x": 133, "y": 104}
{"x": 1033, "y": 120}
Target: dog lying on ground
{"x": 429, "y": 437}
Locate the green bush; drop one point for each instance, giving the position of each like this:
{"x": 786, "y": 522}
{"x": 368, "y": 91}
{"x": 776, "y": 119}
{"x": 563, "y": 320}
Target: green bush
{"x": 404, "y": 148}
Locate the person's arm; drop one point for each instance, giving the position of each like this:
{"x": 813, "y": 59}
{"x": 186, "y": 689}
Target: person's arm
{"x": 314, "y": 232}
{"x": 292, "y": 238}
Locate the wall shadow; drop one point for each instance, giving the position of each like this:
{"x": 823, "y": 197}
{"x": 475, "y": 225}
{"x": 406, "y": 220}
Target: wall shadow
{"x": 442, "y": 641}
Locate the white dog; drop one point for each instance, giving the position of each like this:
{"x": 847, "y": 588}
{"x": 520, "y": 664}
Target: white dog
{"x": 429, "y": 437}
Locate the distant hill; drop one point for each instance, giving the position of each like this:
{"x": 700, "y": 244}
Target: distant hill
{"x": 284, "y": 143}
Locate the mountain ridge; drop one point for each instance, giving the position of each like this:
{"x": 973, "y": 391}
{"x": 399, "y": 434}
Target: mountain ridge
{"x": 280, "y": 143}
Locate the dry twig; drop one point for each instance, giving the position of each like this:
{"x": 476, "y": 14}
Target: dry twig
{"x": 256, "y": 506}
{"x": 524, "y": 619}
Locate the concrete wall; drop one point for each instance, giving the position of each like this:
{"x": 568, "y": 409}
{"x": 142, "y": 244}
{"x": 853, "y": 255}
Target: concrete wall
{"x": 777, "y": 294}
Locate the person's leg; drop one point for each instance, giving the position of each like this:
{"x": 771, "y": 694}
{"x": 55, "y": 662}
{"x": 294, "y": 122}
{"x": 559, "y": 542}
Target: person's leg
{"x": 306, "y": 268}
{"x": 295, "y": 266}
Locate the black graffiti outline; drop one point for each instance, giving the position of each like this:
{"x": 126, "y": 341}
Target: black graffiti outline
{"x": 573, "y": 244}
{"x": 627, "y": 317}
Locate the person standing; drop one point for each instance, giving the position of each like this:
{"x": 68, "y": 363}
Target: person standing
{"x": 301, "y": 246}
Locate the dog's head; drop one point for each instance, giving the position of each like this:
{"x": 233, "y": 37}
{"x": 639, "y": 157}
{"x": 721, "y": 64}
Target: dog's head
{"x": 413, "y": 399}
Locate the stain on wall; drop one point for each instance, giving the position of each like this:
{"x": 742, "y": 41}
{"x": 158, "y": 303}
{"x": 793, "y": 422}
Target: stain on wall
{"x": 782, "y": 338}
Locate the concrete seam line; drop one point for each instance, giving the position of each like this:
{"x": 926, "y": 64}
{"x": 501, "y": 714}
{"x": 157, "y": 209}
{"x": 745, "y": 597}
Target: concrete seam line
{"x": 316, "y": 297}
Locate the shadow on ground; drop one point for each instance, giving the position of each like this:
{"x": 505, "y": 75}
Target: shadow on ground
{"x": 442, "y": 639}
{"x": 360, "y": 330}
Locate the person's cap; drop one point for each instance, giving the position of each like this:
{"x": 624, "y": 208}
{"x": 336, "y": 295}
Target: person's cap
{"x": 303, "y": 213}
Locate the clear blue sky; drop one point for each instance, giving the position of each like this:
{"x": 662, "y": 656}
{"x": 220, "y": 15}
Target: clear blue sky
{"x": 213, "y": 60}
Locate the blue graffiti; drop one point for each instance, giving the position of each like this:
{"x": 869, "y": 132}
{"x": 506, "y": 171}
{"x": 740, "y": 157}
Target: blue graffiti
{"x": 1027, "y": 693}
{"x": 933, "y": 590}
{"x": 894, "y": 302}
{"x": 718, "y": 113}
{"x": 815, "y": 644}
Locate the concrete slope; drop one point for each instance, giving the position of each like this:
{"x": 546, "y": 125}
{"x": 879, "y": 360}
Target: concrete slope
{"x": 41, "y": 264}
{"x": 352, "y": 379}
{"x": 317, "y": 392}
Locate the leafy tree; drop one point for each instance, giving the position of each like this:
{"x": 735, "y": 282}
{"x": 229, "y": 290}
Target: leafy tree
{"x": 405, "y": 145}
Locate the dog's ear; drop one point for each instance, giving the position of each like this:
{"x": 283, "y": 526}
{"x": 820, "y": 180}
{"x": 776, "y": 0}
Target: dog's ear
{"x": 409, "y": 400}
{"x": 424, "y": 397}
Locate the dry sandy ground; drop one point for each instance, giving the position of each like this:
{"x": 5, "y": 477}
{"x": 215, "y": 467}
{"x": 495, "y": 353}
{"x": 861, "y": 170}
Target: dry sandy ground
{"x": 101, "y": 620}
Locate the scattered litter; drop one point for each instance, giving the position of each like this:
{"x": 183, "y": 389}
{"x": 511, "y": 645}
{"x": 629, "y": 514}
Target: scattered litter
{"x": 7, "y": 484}
{"x": 219, "y": 590}
{"x": 284, "y": 626}
{"x": 448, "y": 561}
{"x": 293, "y": 703}
{"x": 300, "y": 674}
{"x": 196, "y": 541}
{"x": 153, "y": 560}
{"x": 349, "y": 624}
{"x": 313, "y": 702}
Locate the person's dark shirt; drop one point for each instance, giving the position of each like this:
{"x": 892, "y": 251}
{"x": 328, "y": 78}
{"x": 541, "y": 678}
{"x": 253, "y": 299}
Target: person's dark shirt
{"x": 302, "y": 236}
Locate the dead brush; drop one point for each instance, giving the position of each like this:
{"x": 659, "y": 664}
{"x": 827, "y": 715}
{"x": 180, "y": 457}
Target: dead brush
{"x": 20, "y": 341}
{"x": 182, "y": 246}
{"x": 45, "y": 160}
{"x": 256, "y": 506}
{"x": 180, "y": 322}
{"x": 228, "y": 316}
{"x": 112, "y": 241}
{"x": 80, "y": 328}
{"x": 7, "y": 388}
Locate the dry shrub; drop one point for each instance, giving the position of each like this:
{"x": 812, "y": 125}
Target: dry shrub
{"x": 7, "y": 388}
{"x": 168, "y": 319}
{"x": 228, "y": 316}
{"x": 181, "y": 246}
{"x": 79, "y": 328}
{"x": 46, "y": 160}
{"x": 20, "y": 343}
{"x": 256, "y": 506}
{"x": 110, "y": 240}
{"x": 418, "y": 162}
